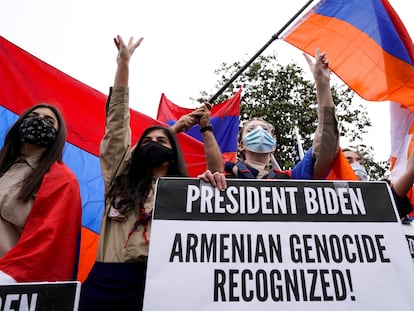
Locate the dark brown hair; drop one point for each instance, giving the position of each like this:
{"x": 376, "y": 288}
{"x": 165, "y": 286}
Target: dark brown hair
{"x": 11, "y": 151}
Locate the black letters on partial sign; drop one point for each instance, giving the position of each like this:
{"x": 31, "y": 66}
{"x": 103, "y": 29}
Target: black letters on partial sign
{"x": 282, "y": 285}
{"x": 333, "y": 248}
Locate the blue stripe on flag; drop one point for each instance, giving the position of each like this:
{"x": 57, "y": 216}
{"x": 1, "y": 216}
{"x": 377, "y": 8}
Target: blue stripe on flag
{"x": 225, "y": 130}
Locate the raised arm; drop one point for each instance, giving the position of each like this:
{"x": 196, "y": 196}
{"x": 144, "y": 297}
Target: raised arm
{"x": 326, "y": 141}
{"x": 211, "y": 147}
{"x": 116, "y": 143}
{"x": 201, "y": 116}
{"x": 406, "y": 180}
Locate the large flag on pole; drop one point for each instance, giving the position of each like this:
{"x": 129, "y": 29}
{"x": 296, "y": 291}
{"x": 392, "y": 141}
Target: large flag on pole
{"x": 224, "y": 119}
{"x": 370, "y": 49}
{"x": 367, "y": 44}
{"x": 26, "y": 80}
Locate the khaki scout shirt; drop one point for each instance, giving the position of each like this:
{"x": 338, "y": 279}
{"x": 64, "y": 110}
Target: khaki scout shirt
{"x": 14, "y": 212}
{"x": 115, "y": 151}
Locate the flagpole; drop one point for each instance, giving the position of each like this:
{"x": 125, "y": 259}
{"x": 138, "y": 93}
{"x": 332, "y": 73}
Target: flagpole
{"x": 273, "y": 38}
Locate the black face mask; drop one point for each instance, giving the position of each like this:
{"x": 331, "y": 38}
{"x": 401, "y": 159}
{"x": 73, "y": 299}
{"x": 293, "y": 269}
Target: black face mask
{"x": 37, "y": 131}
{"x": 153, "y": 155}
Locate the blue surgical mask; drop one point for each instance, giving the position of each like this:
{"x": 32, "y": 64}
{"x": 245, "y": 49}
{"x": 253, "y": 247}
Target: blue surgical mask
{"x": 360, "y": 171}
{"x": 259, "y": 141}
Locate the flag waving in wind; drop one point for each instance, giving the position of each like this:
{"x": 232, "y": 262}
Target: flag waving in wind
{"x": 224, "y": 119}
{"x": 370, "y": 49}
{"x": 25, "y": 80}
{"x": 367, "y": 44}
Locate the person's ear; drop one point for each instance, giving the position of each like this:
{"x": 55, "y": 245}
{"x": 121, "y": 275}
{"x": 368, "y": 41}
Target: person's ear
{"x": 240, "y": 147}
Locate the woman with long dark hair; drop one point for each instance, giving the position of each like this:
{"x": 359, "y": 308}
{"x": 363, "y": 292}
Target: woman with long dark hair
{"x": 117, "y": 279}
{"x": 40, "y": 205}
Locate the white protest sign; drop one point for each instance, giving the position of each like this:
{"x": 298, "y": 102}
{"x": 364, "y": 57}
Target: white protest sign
{"x": 277, "y": 245}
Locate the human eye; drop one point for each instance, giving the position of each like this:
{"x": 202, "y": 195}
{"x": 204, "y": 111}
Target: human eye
{"x": 32, "y": 115}
{"x": 145, "y": 141}
{"x": 250, "y": 128}
{"x": 163, "y": 141}
{"x": 51, "y": 120}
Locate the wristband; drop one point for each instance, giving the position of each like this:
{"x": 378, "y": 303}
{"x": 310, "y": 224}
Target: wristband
{"x": 206, "y": 128}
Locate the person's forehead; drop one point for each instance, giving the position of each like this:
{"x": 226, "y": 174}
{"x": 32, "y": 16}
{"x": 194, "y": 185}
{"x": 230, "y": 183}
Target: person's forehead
{"x": 257, "y": 123}
{"x": 44, "y": 111}
{"x": 156, "y": 133}
{"x": 351, "y": 154}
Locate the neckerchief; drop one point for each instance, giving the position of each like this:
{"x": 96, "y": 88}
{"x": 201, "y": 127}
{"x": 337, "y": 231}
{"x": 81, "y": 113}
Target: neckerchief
{"x": 142, "y": 219}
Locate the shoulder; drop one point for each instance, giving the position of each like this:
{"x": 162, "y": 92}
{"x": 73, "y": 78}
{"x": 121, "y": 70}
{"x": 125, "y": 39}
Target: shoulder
{"x": 229, "y": 165}
{"x": 59, "y": 172}
{"x": 58, "y": 185}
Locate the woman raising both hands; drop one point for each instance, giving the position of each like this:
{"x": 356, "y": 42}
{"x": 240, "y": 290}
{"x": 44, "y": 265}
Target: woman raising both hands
{"x": 117, "y": 279}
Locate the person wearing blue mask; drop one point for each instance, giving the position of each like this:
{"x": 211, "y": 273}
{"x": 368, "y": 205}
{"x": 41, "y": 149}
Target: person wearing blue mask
{"x": 257, "y": 141}
{"x": 355, "y": 160}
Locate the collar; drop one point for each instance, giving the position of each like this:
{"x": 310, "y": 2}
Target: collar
{"x": 31, "y": 161}
{"x": 263, "y": 169}
{"x": 257, "y": 165}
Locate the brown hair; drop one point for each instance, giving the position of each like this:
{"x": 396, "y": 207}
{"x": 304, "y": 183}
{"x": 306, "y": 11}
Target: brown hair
{"x": 11, "y": 151}
{"x": 354, "y": 151}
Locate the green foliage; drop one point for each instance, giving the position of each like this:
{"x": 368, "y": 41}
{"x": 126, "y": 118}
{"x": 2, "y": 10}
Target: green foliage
{"x": 284, "y": 97}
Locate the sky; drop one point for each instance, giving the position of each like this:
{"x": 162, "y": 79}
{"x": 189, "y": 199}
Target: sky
{"x": 184, "y": 43}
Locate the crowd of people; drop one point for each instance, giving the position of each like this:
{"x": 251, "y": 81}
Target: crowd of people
{"x": 37, "y": 187}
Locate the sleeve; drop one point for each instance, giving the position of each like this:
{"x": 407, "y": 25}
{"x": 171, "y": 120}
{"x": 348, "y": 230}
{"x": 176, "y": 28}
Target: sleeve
{"x": 403, "y": 205}
{"x": 115, "y": 146}
{"x": 326, "y": 142}
{"x": 304, "y": 169}
{"x": 228, "y": 169}
{"x": 48, "y": 247}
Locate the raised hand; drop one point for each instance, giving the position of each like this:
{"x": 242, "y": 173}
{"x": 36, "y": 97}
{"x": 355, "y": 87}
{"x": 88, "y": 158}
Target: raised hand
{"x": 320, "y": 68}
{"x": 202, "y": 115}
{"x": 125, "y": 51}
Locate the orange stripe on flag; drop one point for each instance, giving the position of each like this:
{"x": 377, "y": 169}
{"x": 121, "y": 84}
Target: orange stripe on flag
{"x": 88, "y": 249}
{"x": 341, "y": 169}
{"x": 357, "y": 59}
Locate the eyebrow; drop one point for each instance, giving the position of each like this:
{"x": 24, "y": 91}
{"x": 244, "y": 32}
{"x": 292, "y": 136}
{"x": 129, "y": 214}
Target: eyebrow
{"x": 157, "y": 138}
{"x": 46, "y": 116}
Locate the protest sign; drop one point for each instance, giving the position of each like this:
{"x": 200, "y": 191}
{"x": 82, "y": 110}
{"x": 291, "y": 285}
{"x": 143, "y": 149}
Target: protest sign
{"x": 43, "y": 296}
{"x": 265, "y": 245}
